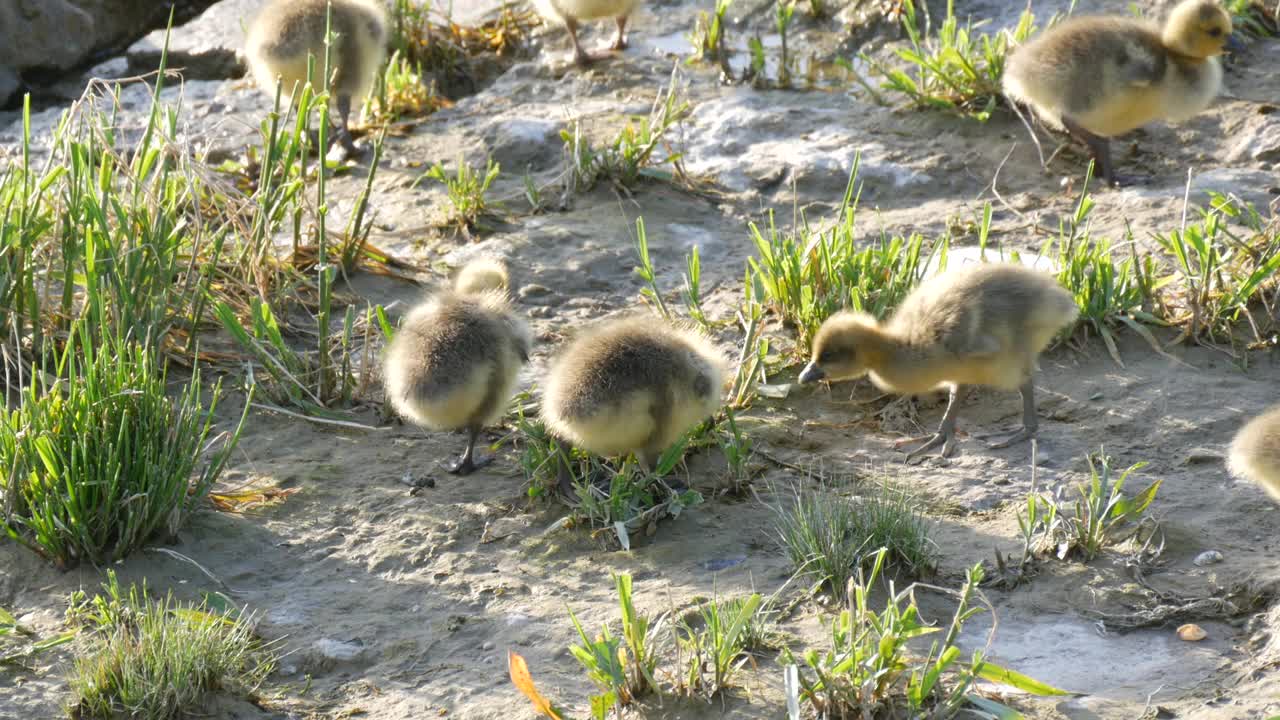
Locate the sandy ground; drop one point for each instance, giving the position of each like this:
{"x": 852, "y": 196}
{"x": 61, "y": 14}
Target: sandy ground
{"x": 404, "y": 606}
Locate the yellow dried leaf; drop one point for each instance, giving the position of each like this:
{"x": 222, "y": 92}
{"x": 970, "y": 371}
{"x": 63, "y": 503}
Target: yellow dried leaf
{"x": 523, "y": 681}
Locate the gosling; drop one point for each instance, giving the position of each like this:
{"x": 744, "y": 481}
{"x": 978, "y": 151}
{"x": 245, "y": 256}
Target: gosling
{"x": 974, "y": 325}
{"x": 454, "y": 362}
{"x": 1255, "y": 452}
{"x": 1099, "y": 77}
{"x": 286, "y": 32}
{"x": 570, "y": 12}
{"x": 634, "y": 385}
{"x": 481, "y": 275}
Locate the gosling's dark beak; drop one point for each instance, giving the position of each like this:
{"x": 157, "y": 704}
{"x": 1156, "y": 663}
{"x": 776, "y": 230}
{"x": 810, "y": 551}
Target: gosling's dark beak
{"x": 811, "y": 373}
{"x": 1234, "y": 45}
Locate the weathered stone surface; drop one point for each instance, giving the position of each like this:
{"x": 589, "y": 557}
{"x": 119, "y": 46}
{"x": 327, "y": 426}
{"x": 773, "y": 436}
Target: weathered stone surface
{"x": 62, "y": 34}
{"x": 1258, "y": 141}
{"x": 43, "y": 33}
{"x": 210, "y": 47}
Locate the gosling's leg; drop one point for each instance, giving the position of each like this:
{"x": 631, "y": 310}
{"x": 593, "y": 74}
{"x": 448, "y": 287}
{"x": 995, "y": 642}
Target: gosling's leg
{"x": 343, "y": 135}
{"x": 564, "y": 475}
{"x": 581, "y": 57}
{"x": 1100, "y": 148}
{"x": 467, "y": 464}
{"x": 620, "y": 37}
{"x": 1029, "y": 422}
{"x": 945, "y": 436}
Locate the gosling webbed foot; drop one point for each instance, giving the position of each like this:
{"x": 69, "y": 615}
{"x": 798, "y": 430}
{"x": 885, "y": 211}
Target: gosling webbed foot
{"x": 1119, "y": 180}
{"x": 1021, "y": 435}
{"x": 468, "y": 464}
{"x": 946, "y": 438}
{"x": 620, "y": 37}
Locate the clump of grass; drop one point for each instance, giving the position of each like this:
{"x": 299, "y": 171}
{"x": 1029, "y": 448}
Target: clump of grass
{"x": 711, "y": 653}
{"x": 1104, "y": 515}
{"x": 811, "y": 272}
{"x": 1101, "y": 515}
{"x": 466, "y": 188}
{"x": 158, "y": 659}
{"x": 959, "y": 69}
{"x": 631, "y": 155}
{"x": 1108, "y": 291}
{"x": 613, "y": 497}
{"x": 621, "y": 673}
{"x": 403, "y": 91}
{"x": 1220, "y": 273}
{"x": 458, "y": 57}
{"x": 830, "y": 538}
{"x": 784, "y": 11}
{"x": 1251, "y": 18}
{"x": 99, "y": 458}
{"x": 708, "y": 34}
{"x": 869, "y": 671}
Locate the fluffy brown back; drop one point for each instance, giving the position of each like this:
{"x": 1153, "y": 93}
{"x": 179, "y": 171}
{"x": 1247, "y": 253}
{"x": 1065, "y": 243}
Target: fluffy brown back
{"x": 1080, "y": 61}
{"x": 442, "y": 346}
{"x": 286, "y": 30}
{"x": 626, "y": 356}
{"x": 983, "y": 309}
{"x": 1255, "y": 452}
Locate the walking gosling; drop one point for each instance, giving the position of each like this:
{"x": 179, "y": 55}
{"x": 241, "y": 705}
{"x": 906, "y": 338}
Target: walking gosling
{"x": 570, "y": 12}
{"x": 454, "y": 362}
{"x": 1255, "y": 452}
{"x": 1098, "y": 77}
{"x": 974, "y": 325}
{"x": 285, "y": 32}
{"x": 632, "y": 385}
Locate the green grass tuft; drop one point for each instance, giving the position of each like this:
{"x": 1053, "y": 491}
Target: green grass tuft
{"x": 959, "y": 69}
{"x": 158, "y": 659}
{"x": 99, "y": 459}
{"x": 829, "y": 538}
{"x": 808, "y": 274}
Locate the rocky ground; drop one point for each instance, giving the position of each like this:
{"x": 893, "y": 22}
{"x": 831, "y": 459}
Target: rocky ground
{"x": 404, "y": 606}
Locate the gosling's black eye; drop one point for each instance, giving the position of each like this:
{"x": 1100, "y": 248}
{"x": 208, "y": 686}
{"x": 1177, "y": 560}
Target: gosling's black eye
{"x": 1216, "y": 32}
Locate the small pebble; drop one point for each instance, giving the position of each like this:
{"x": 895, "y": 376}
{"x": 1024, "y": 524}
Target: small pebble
{"x": 1208, "y": 557}
{"x": 487, "y": 646}
{"x": 533, "y": 290}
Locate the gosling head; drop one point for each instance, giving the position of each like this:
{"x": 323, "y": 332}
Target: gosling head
{"x": 481, "y": 276}
{"x": 1198, "y": 28}
{"x": 839, "y": 348}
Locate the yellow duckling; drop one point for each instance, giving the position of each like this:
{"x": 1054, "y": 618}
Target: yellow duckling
{"x": 454, "y": 361}
{"x": 1255, "y": 452}
{"x": 571, "y": 12}
{"x": 981, "y": 324}
{"x": 632, "y": 385}
{"x": 1099, "y": 77}
{"x": 286, "y": 32}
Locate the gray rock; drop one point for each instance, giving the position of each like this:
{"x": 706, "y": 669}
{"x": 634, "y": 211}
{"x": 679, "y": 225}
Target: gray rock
{"x": 210, "y": 47}
{"x": 518, "y": 143}
{"x": 337, "y": 649}
{"x": 1208, "y": 557}
{"x": 44, "y": 33}
{"x": 1258, "y": 141}
{"x": 9, "y": 83}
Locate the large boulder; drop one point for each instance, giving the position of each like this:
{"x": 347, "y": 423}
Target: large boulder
{"x": 52, "y": 36}
{"x": 210, "y": 47}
